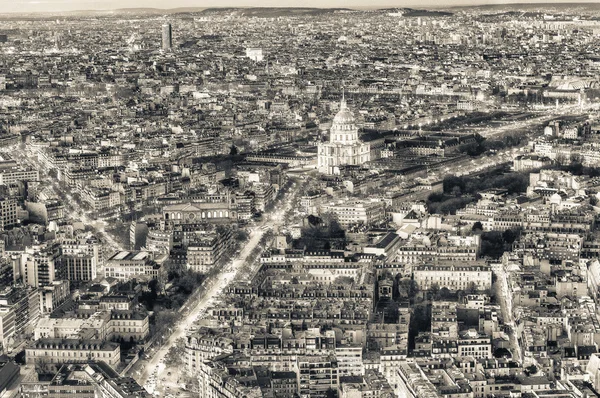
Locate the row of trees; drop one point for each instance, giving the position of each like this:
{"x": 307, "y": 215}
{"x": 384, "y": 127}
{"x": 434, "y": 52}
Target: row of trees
{"x": 513, "y": 182}
{"x": 471, "y": 118}
{"x": 167, "y": 303}
{"x": 176, "y": 353}
{"x": 495, "y": 243}
{"x": 321, "y": 232}
{"x": 575, "y": 166}
{"x": 460, "y": 191}
{"x": 483, "y": 145}
{"x": 182, "y": 282}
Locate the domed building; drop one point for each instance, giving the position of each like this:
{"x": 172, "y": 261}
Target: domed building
{"x": 344, "y": 146}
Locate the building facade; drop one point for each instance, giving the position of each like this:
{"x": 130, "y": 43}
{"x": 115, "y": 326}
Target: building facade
{"x": 453, "y": 277}
{"x": 72, "y": 351}
{"x": 167, "y": 37}
{"x": 344, "y": 146}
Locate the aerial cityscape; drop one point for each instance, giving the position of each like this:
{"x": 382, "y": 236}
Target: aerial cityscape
{"x": 247, "y": 202}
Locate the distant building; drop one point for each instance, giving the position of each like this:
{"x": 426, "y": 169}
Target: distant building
{"x": 9, "y": 373}
{"x": 80, "y": 267}
{"x": 102, "y": 325}
{"x": 9, "y": 175}
{"x": 528, "y": 162}
{"x": 316, "y": 375}
{"x": 453, "y": 277}
{"x": 356, "y": 212}
{"x": 215, "y": 380}
{"x": 127, "y": 265}
{"x": 167, "y": 37}
{"x": 93, "y": 379}
{"x": 206, "y": 249}
{"x": 7, "y": 272}
{"x": 344, "y": 146}
{"x": 222, "y": 211}
{"x": 472, "y": 343}
{"x": 372, "y": 384}
{"x": 158, "y": 240}
{"x": 8, "y": 212}
{"x": 53, "y": 295}
{"x": 255, "y": 54}
{"x": 72, "y": 351}
{"x": 20, "y": 310}
{"x": 284, "y": 384}
{"x": 40, "y": 265}
{"x": 386, "y": 246}
{"x": 201, "y": 347}
{"x": 350, "y": 359}
{"x": 7, "y": 327}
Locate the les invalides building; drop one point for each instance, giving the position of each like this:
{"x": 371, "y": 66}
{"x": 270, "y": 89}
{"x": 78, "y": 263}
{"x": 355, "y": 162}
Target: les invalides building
{"x": 344, "y": 146}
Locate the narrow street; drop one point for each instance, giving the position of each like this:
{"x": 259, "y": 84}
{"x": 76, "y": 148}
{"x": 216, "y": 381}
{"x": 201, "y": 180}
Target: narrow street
{"x": 504, "y": 298}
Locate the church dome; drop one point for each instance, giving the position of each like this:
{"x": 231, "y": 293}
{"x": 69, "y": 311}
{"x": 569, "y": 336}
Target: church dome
{"x": 345, "y": 115}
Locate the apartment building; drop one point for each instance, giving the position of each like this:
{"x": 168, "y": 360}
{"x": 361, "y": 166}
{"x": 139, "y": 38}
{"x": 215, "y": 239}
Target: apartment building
{"x": 59, "y": 351}
{"x": 126, "y": 265}
{"x": 453, "y": 277}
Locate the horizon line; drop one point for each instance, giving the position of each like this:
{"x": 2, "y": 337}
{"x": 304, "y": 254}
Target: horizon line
{"x": 478, "y": 3}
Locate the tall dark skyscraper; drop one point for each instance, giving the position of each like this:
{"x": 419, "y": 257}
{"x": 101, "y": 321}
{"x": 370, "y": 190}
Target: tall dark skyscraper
{"x": 167, "y": 37}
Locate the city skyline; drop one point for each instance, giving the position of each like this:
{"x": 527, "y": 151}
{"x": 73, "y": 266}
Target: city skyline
{"x": 390, "y": 200}
{"x": 57, "y": 6}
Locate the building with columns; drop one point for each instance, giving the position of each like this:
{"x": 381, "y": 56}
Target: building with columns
{"x": 344, "y": 146}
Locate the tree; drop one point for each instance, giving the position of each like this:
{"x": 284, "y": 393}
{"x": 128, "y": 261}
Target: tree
{"x": 420, "y": 320}
{"x": 451, "y": 182}
{"x": 531, "y": 370}
{"x": 560, "y": 159}
{"x": 576, "y": 158}
{"x": 241, "y": 235}
{"x": 191, "y": 383}
{"x": 471, "y": 289}
{"x": 407, "y": 288}
{"x": 175, "y": 269}
{"x": 186, "y": 284}
{"x": 502, "y": 353}
{"x": 491, "y": 293}
{"x": 331, "y": 393}
{"x": 445, "y": 293}
{"x": 233, "y": 150}
{"x": 390, "y": 312}
{"x": 164, "y": 319}
{"x": 509, "y": 236}
{"x": 174, "y": 356}
{"x": 434, "y": 290}
{"x": 154, "y": 286}
{"x": 477, "y": 227}
{"x": 314, "y": 220}
{"x": 495, "y": 243}
{"x": 435, "y": 197}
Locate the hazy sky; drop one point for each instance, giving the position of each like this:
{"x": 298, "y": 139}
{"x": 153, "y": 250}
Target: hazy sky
{"x": 70, "y": 5}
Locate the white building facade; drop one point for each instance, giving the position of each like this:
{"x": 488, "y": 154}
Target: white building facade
{"x": 344, "y": 146}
